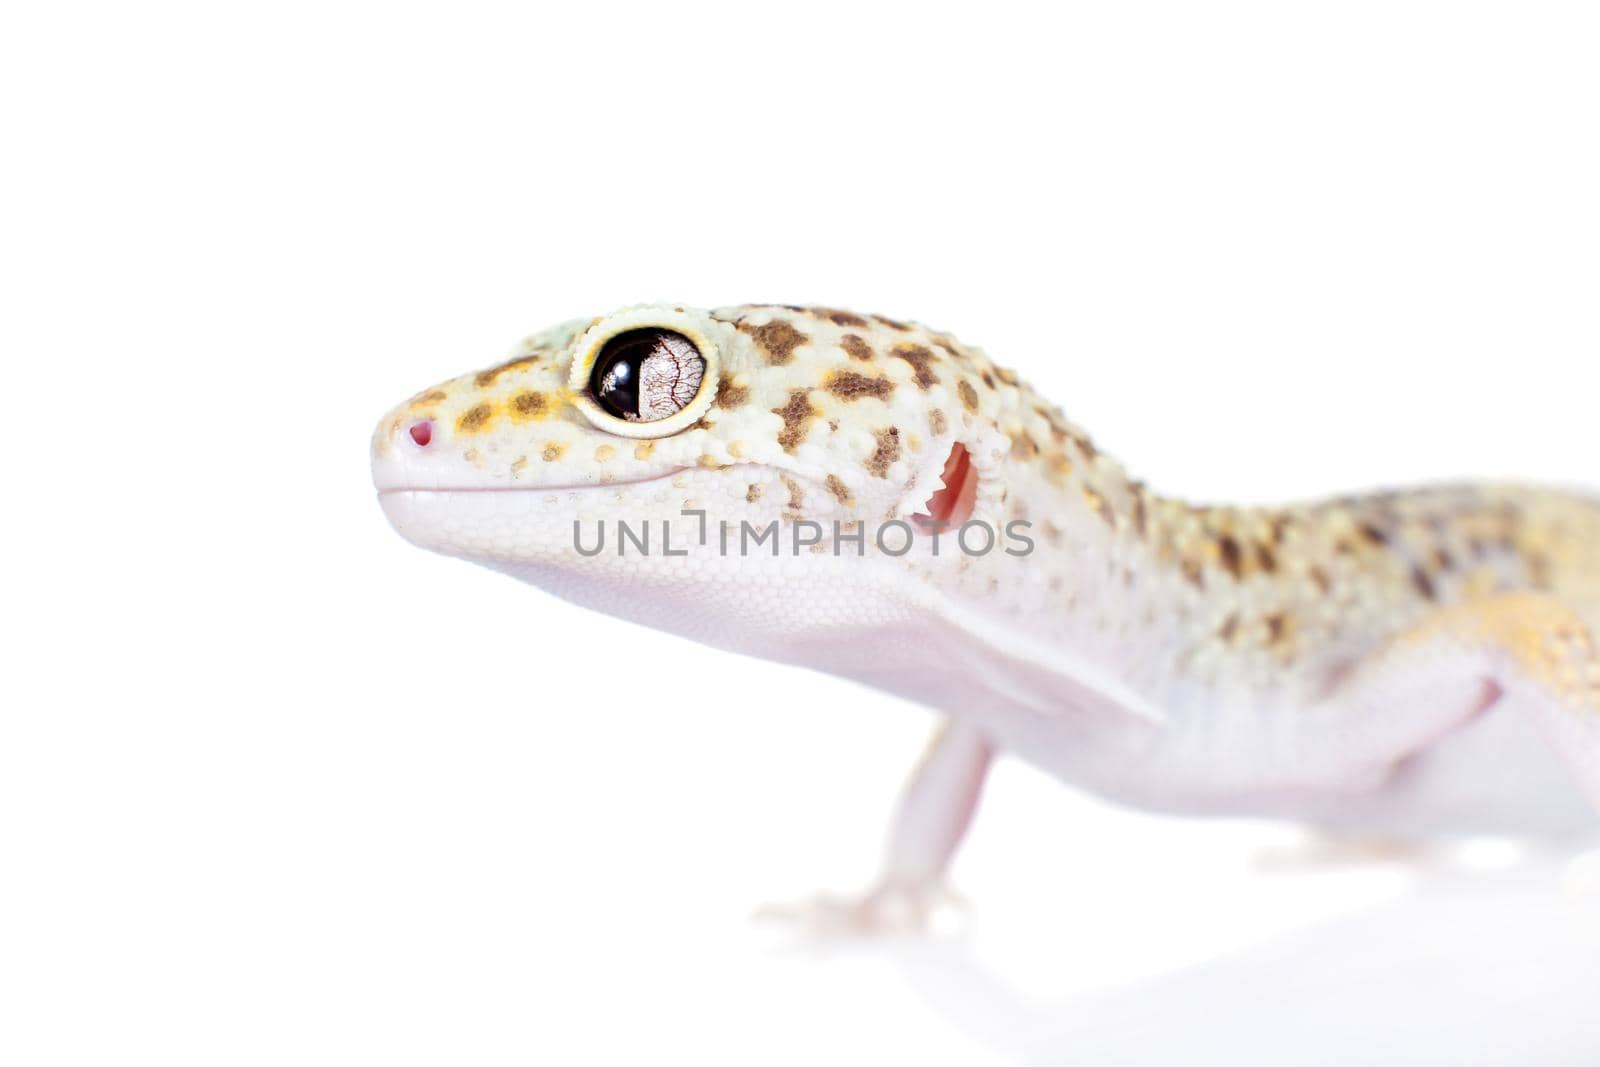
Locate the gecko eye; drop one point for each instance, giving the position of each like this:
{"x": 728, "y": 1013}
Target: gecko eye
{"x": 646, "y": 375}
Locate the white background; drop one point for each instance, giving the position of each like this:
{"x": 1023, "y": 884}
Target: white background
{"x": 275, "y": 787}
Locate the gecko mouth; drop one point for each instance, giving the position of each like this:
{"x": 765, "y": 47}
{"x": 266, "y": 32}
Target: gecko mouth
{"x": 567, "y": 487}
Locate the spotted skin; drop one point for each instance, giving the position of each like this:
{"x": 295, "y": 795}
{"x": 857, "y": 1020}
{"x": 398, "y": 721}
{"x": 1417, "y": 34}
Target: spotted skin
{"x": 1271, "y": 661}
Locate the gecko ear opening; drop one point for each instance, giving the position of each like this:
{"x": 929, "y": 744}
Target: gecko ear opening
{"x": 951, "y": 506}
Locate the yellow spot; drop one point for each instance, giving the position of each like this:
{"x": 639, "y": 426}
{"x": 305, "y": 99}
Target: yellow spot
{"x": 484, "y": 379}
{"x": 432, "y": 396}
{"x": 475, "y": 419}
{"x": 708, "y": 461}
{"x": 736, "y": 449}
{"x": 553, "y": 451}
{"x": 643, "y": 449}
{"x": 528, "y": 405}
{"x": 517, "y": 466}
{"x": 604, "y": 453}
{"x": 1097, "y": 504}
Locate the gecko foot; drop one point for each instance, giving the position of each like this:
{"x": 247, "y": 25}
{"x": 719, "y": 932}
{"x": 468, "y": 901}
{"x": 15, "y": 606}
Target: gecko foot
{"x": 1322, "y": 851}
{"x": 885, "y": 911}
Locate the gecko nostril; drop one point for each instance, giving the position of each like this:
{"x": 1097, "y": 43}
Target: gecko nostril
{"x": 422, "y": 433}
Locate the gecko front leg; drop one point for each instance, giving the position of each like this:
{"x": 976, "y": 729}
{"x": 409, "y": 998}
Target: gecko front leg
{"x": 930, "y": 821}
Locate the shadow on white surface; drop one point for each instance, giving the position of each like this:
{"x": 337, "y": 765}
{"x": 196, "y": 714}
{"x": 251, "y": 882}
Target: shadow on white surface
{"x": 1500, "y": 968}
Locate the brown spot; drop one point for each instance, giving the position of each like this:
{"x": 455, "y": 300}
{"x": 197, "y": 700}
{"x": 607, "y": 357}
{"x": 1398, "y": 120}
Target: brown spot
{"x": 486, "y": 378}
{"x": 643, "y": 449}
{"x": 1098, "y": 505}
{"x": 752, "y": 493}
{"x": 944, "y": 343}
{"x": 475, "y": 419}
{"x": 840, "y": 318}
{"x": 988, "y": 379}
{"x": 430, "y": 396}
{"x": 797, "y": 415}
{"x": 1194, "y": 572}
{"x": 837, "y": 488}
{"x": 1266, "y": 558}
{"x": 1373, "y": 534}
{"x": 1230, "y": 629}
{"x": 553, "y": 451}
{"x": 848, "y": 385}
{"x": 1320, "y": 579}
{"x": 969, "y": 395}
{"x": 1232, "y": 557}
{"x": 887, "y": 452}
{"x": 797, "y": 495}
{"x": 893, "y": 324}
{"x": 1280, "y": 628}
{"x": 1024, "y": 447}
{"x": 730, "y": 395}
{"x": 1085, "y": 445}
{"x": 1423, "y": 584}
{"x": 1141, "y": 509}
{"x": 529, "y": 405}
{"x": 855, "y": 347}
{"x": 919, "y": 358}
{"x": 1009, "y": 377}
{"x": 777, "y": 339}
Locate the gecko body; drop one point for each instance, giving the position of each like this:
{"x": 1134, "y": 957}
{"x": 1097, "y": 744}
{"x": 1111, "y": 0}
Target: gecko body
{"x": 1416, "y": 662}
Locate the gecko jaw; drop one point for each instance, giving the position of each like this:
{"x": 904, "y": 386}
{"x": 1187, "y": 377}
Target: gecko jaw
{"x": 386, "y": 490}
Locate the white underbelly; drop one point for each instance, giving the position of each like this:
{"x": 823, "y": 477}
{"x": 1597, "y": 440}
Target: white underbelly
{"x": 1493, "y": 777}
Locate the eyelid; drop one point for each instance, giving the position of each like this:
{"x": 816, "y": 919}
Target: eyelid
{"x": 701, "y": 331}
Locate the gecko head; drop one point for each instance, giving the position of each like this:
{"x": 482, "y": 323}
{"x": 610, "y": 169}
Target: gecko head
{"x": 632, "y": 462}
